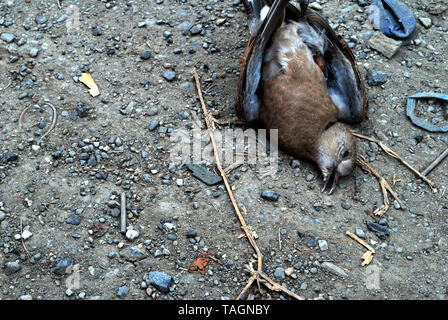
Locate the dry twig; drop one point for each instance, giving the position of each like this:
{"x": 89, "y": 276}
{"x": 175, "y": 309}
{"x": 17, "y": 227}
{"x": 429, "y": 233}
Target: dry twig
{"x": 384, "y": 187}
{"x": 435, "y": 162}
{"x": 258, "y": 274}
{"x": 368, "y": 255}
{"x": 53, "y": 122}
{"x": 393, "y": 154}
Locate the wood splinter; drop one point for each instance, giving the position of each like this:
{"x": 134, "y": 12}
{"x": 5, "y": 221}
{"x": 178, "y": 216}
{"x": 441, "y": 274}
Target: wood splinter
{"x": 123, "y": 212}
{"x": 368, "y": 255}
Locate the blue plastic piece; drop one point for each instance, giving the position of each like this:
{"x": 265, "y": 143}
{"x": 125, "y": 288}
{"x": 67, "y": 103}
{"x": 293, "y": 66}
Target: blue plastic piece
{"x": 393, "y": 18}
{"x": 410, "y": 112}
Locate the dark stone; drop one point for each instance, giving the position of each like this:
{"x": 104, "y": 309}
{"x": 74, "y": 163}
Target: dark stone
{"x": 201, "y": 173}
{"x": 279, "y": 273}
{"x": 376, "y": 78}
{"x": 311, "y": 244}
{"x": 270, "y": 195}
{"x": 62, "y": 266}
{"x": 153, "y": 125}
{"x": 96, "y": 31}
{"x": 123, "y": 291}
{"x": 10, "y": 157}
{"x": 145, "y": 55}
{"x": 169, "y": 75}
{"x": 191, "y": 234}
{"x": 74, "y": 219}
{"x": 160, "y": 280}
{"x": 12, "y": 267}
{"x": 381, "y": 231}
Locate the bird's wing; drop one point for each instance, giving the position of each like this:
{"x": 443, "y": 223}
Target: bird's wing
{"x": 248, "y": 102}
{"x": 344, "y": 81}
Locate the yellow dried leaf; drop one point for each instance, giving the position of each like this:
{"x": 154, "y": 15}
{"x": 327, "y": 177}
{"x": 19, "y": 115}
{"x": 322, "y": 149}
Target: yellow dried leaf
{"x": 87, "y": 79}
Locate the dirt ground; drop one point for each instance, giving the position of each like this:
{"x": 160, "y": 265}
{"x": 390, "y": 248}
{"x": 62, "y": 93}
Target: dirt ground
{"x": 60, "y": 196}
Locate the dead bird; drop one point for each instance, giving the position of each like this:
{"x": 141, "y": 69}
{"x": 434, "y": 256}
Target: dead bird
{"x": 300, "y": 77}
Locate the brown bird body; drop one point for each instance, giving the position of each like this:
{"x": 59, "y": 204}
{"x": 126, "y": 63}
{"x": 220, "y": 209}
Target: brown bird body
{"x": 296, "y": 78}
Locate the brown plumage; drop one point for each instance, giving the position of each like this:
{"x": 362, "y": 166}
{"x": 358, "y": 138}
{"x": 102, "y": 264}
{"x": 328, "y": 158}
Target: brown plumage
{"x": 300, "y": 77}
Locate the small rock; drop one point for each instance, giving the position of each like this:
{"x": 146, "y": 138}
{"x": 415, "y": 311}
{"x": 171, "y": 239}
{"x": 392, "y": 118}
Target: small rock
{"x": 376, "y": 78}
{"x": 153, "y": 125}
{"x": 195, "y": 30}
{"x": 62, "y": 266}
{"x": 360, "y": 233}
{"x": 26, "y": 234}
{"x": 323, "y": 245}
{"x": 160, "y": 280}
{"x": 346, "y": 205}
{"x": 383, "y": 44}
{"x": 201, "y": 173}
{"x": 381, "y": 231}
{"x": 33, "y": 52}
{"x": 132, "y": 234}
{"x": 132, "y": 254}
{"x": 123, "y": 291}
{"x": 426, "y": 22}
{"x": 334, "y": 269}
{"x": 41, "y": 19}
{"x": 289, "y": 271}
{"x": 270, "y": 195}
{"x": 279, "y": 273}
{"x": 169, "y": 75}
{"x": 311, "y": 244}
{"x": 7, "y": 37}
{"x": 96, "y": 31}
{"x": 12, "y": 267}
{"x": 74, "y": 219}
{"x": 145, "y": 55}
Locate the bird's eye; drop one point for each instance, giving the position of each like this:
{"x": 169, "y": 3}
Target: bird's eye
{"x": 346, "y": 154}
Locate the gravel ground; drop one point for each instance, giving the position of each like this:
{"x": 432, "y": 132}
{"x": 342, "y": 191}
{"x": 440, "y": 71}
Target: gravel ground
{"x": 60, "y": 196}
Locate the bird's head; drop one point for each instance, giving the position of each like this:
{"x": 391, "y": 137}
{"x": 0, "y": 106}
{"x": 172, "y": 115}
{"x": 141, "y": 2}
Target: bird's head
{"x": 336, "y": 154}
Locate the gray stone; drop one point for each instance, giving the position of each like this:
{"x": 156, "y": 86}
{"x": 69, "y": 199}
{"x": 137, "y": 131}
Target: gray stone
{"x": 279, "y": 273}
{"x": 169, "y": 75}
{"x": 74, "y": 219}
{"x": 41, "y": 19}
{"x": 160, "y": 280}
{"x": 153, "y": 125}
{"x": 323, "y": 245}
{"x": 376, "y": 78}
{"x": 132, "y": 254}
{"x": 426, "y": 22}
{"x": 383, "y": 44}
{"x": 12, "y": 267}
{"x": 8, "y": 37}
{"x": 270, "y": 195}
{"x": 360, "y": 233}
{"x": 334, "y": 269}
{"x": 201, "y": 173}
{"x": 123, "y": 291}
{"x": 62, "y": 266}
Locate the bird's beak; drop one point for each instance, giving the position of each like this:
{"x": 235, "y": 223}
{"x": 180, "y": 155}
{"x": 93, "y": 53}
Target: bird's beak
{"x": 335, "y": 174}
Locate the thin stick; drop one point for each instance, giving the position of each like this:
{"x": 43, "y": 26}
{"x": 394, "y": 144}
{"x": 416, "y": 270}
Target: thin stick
{"x": 53, "y": 122}
{"x": 123, "y": 212}
{"x": 384, "y": 186}
{"x": 393, "y": 154}
{"x": 365, "y": 244}
{"x": 23, "y": 242}
{"x": 435, "y": 163}
{"x": 6, "y": 86}
{"x": 210, "y": 129}
{"x": 233, "y": 166}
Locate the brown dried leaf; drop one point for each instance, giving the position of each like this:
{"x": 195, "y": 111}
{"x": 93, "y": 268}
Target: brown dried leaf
{"x": 99, "y": 229}
{"x": 199, "y": 264}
